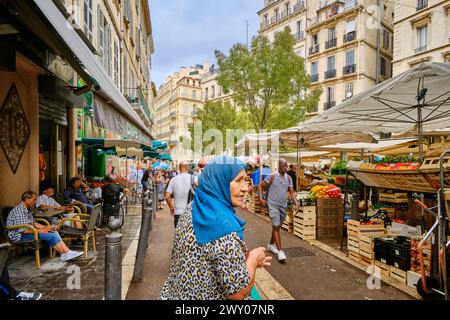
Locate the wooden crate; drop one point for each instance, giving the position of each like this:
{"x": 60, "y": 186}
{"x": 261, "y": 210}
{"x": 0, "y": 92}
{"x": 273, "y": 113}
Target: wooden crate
{"x": 434, "y": 163}
{"x": 412, "y": 278}
{"x": 306, "y": 218}
{"x": 330, "y": 207}
{"x": 366, "y": 244}
{"x": 305, "y": 235}
{"x": 397, "y": 274}
{"x": 354, "y": 256}
{"x": 329, "y": 233}
{"x": 306, "y": 210}
{"x": 353, "y": 244}
{"x": 393, "y": 197}
{"x": 384, "y": 268}
{"x": 357, "y": 229}
{"x": 365, "y": 261}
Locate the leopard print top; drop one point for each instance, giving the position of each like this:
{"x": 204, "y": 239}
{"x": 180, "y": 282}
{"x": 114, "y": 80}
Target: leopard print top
{"x": 212, "y": 271}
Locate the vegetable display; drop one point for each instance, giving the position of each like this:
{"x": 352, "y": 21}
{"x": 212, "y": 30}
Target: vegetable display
{"x": 326, "y": 191}
{"x": 397, "y": 159}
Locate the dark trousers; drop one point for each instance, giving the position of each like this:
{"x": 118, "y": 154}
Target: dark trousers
{"x": 176, "y": 218}
{"x": 6, "y": 291}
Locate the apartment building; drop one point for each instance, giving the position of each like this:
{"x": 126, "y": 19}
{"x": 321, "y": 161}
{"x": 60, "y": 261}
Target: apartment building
{"x": 338, "y": 40}
{"x": 421, "y": 33}
{"x": 212, "y": 91}
{"x": 177, "y": 101}
{"x": 120, "y": 34}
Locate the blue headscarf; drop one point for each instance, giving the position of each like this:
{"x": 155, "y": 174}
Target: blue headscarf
{"x": 213, "y": 215}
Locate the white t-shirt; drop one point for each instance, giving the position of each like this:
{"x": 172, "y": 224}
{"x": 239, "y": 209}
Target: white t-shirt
{"x": 179, "y": 186}
{"x": 46, "y": 201}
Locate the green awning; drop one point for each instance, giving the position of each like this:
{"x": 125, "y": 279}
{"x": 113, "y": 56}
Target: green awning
{"x": 100, "y": 143}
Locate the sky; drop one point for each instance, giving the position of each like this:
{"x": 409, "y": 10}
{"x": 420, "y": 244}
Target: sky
{"x": 187, "y": 32}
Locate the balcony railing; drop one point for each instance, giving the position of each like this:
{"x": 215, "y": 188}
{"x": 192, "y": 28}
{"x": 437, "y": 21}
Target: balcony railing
{"x": 329, "y": 105}
{"x": 265, "y": 23}
{"x": 348, "y": 6}
{"x": 420, "y": 49}
{"x": 275, "y": 18}
{"x": 315, "y": 77}
{"x": 299, "y": 35}
{"x": 173, "y": 115}
{"x": 314, "y": 49}
{"x": 285, "y": 13}
{"x": 330, "y": 74}
{"x": 331, "y": 43}
{"x": 173, "y": 128}
{"x": 349, "y": 36}
{"x": 349, "y": 69}
{"x": 421, "y": 4}
{"x": 299, "y": 6}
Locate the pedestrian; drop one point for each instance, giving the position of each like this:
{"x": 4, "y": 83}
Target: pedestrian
{"x": 145, "y": 178}
{"x": 160, "y": 184}
{"x": 8, "y": 292}
{"x": 177, "y": 193}
{"x": 291, "y": 172}
{"x": 42, "y": 166}
{"x": 210, "y": 260}
{"x": 278, "y": 185}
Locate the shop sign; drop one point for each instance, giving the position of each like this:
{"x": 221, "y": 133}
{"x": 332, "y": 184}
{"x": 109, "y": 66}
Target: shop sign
{"x": 397, "y": 167}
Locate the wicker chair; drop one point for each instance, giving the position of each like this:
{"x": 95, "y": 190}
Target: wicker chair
{"x": 86, "y": 233}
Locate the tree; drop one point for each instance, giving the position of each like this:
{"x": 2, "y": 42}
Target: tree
{"x": 216, "y": 117}
{"x": 269, "y": 81}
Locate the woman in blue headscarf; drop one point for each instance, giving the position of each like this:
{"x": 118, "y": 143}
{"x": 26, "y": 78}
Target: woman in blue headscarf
{"x": 210, "y": 260}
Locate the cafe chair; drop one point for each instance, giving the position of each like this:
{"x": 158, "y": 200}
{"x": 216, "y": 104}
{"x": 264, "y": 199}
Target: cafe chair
{"x": 86, "y": 233}
{"x": 34, "y": 244}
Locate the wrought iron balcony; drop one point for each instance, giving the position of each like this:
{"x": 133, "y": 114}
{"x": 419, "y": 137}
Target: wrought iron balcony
{"x": 173, "y": 115}
{"x": 329, "y": 105}
{"x": 330, "y": 74}
{"x": 285, "y": 13}
{"x": 315, "y": 77}
{"x": 349, "y": 69}
{"x": 275, "y": 18}
{"x": 299, "y": 6}
{"x": 265, "y": 24}
{"x": 314, "y": 49}
{"x": 331, "y": 43}
{"x": 349, "y": 36}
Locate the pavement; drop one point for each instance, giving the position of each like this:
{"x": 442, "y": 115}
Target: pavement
{"x": 81, "y": 279}
{"x": 313, "y": 271}
{"x": 310, "y": 273}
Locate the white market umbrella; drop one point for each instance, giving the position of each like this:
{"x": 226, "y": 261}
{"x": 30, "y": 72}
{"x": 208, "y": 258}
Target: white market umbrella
{"x": 416, "y": 100}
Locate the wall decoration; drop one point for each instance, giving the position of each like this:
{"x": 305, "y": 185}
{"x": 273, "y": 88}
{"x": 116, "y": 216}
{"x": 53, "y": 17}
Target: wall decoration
{"x": 14, "y": 128}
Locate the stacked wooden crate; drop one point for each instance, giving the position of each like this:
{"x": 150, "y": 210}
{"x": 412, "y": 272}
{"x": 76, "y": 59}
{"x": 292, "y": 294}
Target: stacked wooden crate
{"x": 361, "y": 240}
{"x": 330, "y": 218}
{"x": 305, "y": 223}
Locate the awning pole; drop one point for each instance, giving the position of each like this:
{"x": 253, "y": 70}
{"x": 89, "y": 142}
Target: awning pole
{"x": 299, "y": 174}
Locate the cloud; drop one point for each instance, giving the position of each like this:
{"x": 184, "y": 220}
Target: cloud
{"x": 187, "y": 32}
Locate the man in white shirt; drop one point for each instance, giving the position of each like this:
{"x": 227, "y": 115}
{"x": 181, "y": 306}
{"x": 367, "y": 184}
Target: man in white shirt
{"x": 179, "y": 187}
{"x": 46, "y": 201}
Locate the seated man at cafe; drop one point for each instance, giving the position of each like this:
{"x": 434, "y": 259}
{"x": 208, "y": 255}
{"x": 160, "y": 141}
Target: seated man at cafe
{"x": 21, "y": 215}
{"x": 76, "y": 194}
{"x": 111, "y": 196}
{"x": 46, "y": 202}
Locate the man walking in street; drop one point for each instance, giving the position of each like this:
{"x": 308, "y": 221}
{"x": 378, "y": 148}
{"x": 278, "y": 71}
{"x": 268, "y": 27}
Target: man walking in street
{"x": 179, "y": 188}
{"x": 278, "y": 185}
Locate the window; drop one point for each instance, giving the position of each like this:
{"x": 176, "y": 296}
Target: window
{"x": 350, "y": 58}
{"x": 331, "y": 34}
{"x": 88, "y": 18}
{"x": 315, "y": 40}
{"x": 348, "y": 89}
{"x": 213, "y": 91}
{"x": 422, "y": 34}
{"x": 350, "y": 26}
{"x": 206, "y": 94}
{"x": 104, "y": 41}
{"x": 300, "y": 26}
{"x": 330, "y": 94}
{"x": 194, "y": 94}
{"x": 116, "y": 64}
{"x": 386, "y": 39}
{"x": 314, "y": 68}
{"x": 331, "y": 63}
{"x": 383, "y": 66}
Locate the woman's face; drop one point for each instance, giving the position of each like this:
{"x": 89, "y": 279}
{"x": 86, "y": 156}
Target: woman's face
{"x": 238, "y": 188}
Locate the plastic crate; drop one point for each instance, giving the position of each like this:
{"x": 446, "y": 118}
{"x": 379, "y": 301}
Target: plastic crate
{"x": 401, "y": 250}
{"x": 383, "y": 257}
{"x": 382, "y": 245}
{"x": 400, "y": 263}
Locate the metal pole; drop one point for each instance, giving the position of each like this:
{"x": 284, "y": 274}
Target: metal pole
{"x": 113, "y": 261}
{"x": 299, "y": 174}
{"x": 146, "y": 226}
{"x": 378, "y": 41}
{"x": 420, "y": 129}
{"x": 126, "y": 177}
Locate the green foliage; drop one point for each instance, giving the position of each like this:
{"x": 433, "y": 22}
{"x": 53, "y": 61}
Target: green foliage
{"x": 220, "y": 116}
{"x": 397, "y": 159}
{"x": 268, "y": 81}
{"x": 341, "y": 165}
